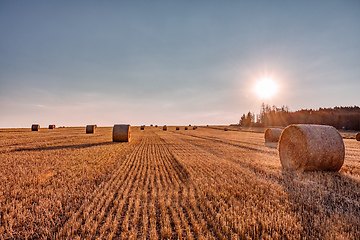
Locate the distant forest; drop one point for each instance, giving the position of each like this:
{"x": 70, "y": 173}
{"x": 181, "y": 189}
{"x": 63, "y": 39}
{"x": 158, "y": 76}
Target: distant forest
{"x": 346, "y": 118}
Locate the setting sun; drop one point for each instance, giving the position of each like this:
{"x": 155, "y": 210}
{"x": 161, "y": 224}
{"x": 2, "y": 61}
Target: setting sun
{"x": 266, "y": 88}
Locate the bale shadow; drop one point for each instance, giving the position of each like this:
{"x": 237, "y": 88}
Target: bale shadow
{"x": 324, "y": 201}
{"x": 271, "y": 144}
{"x": 180, "y": 170}
{"x": 76, "y": 146}
{"x": 214, "y": 139}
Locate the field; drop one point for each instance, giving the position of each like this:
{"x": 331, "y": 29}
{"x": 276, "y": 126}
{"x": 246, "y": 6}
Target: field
{"x": 197, "y": 184}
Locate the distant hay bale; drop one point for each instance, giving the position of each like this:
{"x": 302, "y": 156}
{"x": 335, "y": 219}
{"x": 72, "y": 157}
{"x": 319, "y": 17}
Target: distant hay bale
{"x": 306, "y": 147}
{"x": 35, "y": 127}
{"x": 358, "y": 136}
{"x": 177, "y": 128}
{"x": 151, "y": 125}
{"x": 90, "y": 128}
{"x": 186, "y": 128}
{"x": 121, "y": 133}
{"x": 272, "y": 134}
{"x": 194, "y": 127}
{"x": 155, "y": 125}
{"x": 52, "y": 126}
{"x": 142, "y": 127}
{"x": 164, "y": 128}
{"x": 189, "y": 125}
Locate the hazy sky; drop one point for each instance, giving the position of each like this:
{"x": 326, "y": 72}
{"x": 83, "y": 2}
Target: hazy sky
{"x": 172, "y": 62}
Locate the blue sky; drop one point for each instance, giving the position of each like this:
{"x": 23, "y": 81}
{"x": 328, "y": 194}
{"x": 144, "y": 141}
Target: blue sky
{"x": 172, "y": 62}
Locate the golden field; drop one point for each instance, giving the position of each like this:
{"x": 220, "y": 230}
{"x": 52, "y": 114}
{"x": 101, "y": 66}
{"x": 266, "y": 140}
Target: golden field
{"x": 196, "y": 184}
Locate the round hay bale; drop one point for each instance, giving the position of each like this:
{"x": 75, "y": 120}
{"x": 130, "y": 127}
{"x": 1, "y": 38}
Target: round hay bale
{"x": 272, "y": 134}
{"x": 121, "y": 133}
{"x": 177, "y": 128}
{"x": 90, "y": 128}
{"x": 194, "y": 127}
{"x": 155, "y": 125}
{"x": 35, "y": 127}
{"x": 52, "y": 126}
{"x": 186, "y": 128}
{"x": 142, "y": 127}
{"x": 164, "y": 128}
{"x": 358, "y": 136}
{"x": 306, "y": 147}
{"x": 151, "y": 125}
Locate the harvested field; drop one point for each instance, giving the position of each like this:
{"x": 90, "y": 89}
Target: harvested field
{"x": 204, "y": 184}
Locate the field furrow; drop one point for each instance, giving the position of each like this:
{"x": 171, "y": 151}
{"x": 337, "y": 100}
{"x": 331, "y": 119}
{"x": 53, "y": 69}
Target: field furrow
{"x": 53, "y": 181}
{"x": 203, "y": 184}
{"x": 262, "y": 174}
{"x": 149, "y": 182}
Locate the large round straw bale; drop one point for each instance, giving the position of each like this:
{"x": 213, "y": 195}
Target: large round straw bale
{"x": 90, "y": 128}
{"x": 142, "y": 127}
{"x": 35, "y": 127}
{"x": 311, "y": 148}
{"x": 186, "y": 128}
{"x": 177, "y": 128}
{"x": 121, "y": 133}
{"x": 272, "y": 134}
{"x": 52, "y": 126}
{"x": 358, "y": 136}
{"x": 155, "y": 125}
{"x": 164, "y": 128}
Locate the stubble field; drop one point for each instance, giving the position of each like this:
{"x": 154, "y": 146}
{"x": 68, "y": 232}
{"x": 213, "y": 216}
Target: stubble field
{"x": 196, "y": 184}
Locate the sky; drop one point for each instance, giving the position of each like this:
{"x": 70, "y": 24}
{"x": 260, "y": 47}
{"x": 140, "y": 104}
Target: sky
{"x": 73, "y": 63}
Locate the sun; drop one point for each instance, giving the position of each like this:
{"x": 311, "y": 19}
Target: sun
{"x": 266, "y": 88}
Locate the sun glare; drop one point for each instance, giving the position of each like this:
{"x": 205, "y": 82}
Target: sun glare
{"x": 266, "y": 88}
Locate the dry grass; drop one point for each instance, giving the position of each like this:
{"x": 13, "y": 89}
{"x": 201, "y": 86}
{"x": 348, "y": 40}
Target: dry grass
{"x": 204, "y": 184}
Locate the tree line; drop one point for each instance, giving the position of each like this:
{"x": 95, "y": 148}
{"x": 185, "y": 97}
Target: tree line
{"x": 346, "y": 118}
